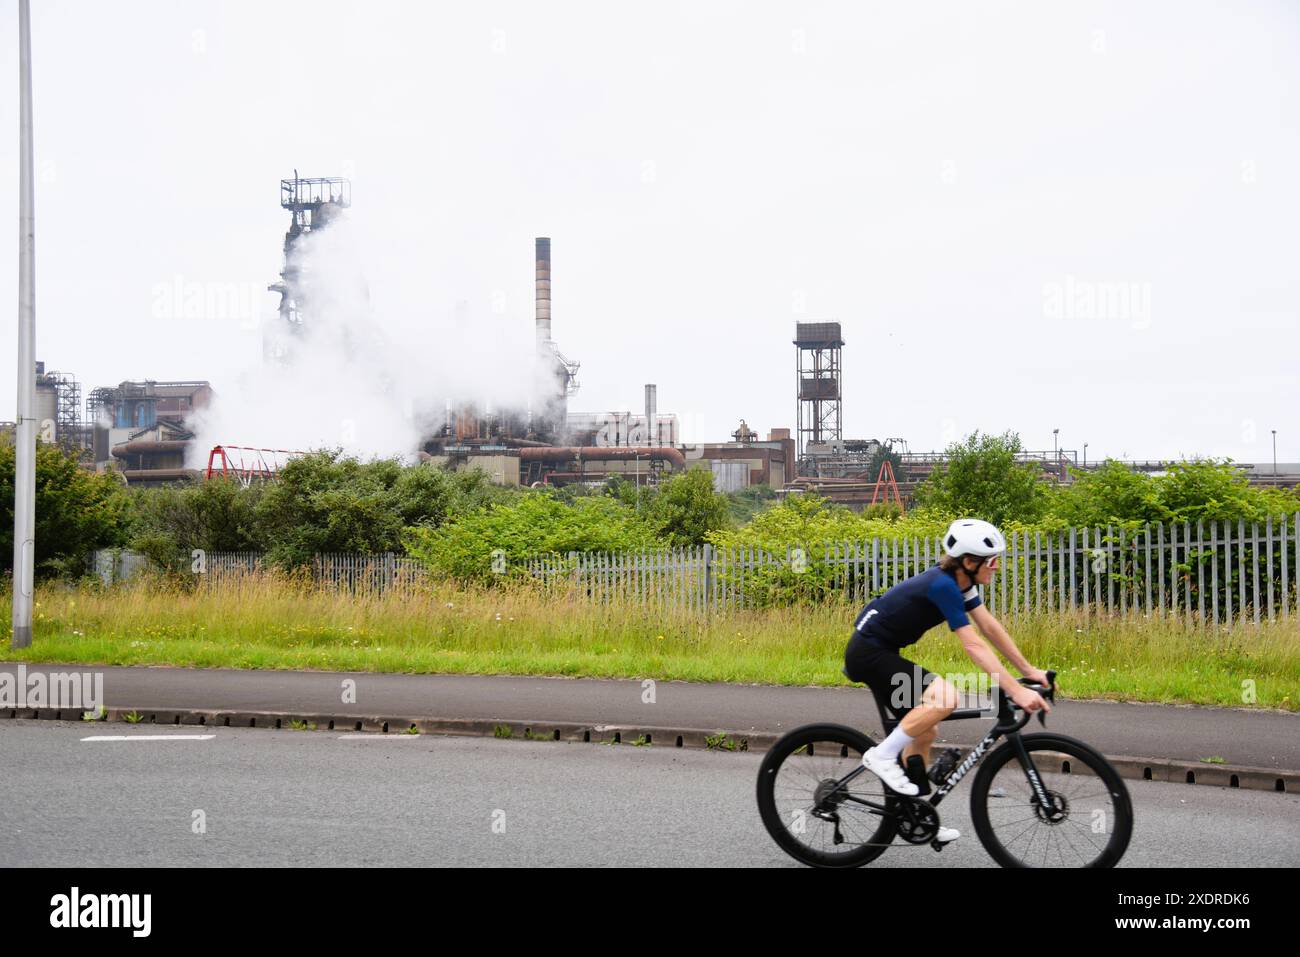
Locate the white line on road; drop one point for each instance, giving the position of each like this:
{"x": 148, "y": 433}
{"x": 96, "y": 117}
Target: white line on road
{"x": 149, "y": 737}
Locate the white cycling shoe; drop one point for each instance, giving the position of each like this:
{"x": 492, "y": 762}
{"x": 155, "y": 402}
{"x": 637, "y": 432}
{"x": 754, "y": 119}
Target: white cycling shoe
{"x": 890, "y": 772}
{"x": 947, "y": 834}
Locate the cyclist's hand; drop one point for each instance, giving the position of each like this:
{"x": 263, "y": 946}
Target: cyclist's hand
{"x": 1040, "y": 677}
{"x": 1030, "y": 700}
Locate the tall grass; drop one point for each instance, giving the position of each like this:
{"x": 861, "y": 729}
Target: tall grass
{"x": 267, "y": 621}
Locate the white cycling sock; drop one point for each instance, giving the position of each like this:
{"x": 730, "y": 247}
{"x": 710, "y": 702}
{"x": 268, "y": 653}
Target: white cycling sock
{"x": 893, "y": 745}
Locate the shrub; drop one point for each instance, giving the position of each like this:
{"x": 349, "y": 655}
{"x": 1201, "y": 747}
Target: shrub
{"x": 536, "y": 522}
{"x": 325, "y": 502}
{"x": 77, "y": 511}
{"x": 218, "y": 515}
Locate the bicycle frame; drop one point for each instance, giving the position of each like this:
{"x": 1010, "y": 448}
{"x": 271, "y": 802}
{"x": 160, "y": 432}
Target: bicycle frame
{"x": 1007, "y": 725}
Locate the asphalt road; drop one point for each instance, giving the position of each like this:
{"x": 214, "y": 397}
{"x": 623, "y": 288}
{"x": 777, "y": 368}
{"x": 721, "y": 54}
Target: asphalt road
{"x": 1253, "y": 738}
{"x": 272, "y": 798}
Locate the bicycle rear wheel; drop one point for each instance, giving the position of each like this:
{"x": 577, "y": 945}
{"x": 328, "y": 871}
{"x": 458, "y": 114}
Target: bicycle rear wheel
{"x": 1094, "y": 818}
{"x": 803, "y": 810}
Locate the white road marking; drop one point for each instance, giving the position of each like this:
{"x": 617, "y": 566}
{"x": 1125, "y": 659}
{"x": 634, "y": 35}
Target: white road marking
{"x": 149, "y": 737}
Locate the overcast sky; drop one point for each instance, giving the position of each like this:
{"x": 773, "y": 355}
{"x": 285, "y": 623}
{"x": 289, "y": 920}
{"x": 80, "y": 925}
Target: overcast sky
{"x": 1026, "y": 216}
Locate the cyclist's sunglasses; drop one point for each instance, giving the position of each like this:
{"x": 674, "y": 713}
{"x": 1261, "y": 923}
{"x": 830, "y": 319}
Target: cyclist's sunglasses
{"x": 992, "y": 563}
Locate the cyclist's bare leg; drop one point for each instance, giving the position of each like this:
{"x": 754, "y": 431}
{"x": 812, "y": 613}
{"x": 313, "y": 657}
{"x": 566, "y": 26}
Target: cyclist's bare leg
{"x": 921, "y": 723}
{"x": 921, "y": 745}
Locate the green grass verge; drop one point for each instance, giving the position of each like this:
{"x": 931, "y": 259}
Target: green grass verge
{"x": 267, "y": 623}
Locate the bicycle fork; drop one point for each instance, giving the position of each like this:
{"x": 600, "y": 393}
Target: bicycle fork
{"x": 1042, "y": 797}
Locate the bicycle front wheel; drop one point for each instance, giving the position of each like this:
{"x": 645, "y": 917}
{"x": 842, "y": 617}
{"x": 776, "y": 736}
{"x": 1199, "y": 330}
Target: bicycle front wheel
{"x": 804, "y": 810}
{"x": 1092, "y": 819}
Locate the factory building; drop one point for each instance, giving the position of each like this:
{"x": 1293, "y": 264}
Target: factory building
{"x": 557, "y": 375}
{"x": 747, "y": 461}
{"x": 58, "y": 410}
{"x": 142, "y": 428}
{"x": 137, "y": 428}
{"x": 312, "y": 203}
{"x": 734, "y": 465}
{"x": 548, "y": 444}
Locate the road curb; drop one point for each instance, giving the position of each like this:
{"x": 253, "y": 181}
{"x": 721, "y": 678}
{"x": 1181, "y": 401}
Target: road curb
{"x": 1138, "y": 768}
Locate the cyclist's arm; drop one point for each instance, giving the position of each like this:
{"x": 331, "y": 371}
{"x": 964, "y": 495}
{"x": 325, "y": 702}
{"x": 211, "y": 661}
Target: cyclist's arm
{"x": 992, "y": 629}
{"x": 980, "y": 653}
{"x": 957, "y": 608}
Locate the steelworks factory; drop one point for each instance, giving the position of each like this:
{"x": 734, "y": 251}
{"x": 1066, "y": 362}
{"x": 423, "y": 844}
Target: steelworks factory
{"x": 547, "y": 444}
{"x": 555, "y": 446}
{"x": 141, "y": 428}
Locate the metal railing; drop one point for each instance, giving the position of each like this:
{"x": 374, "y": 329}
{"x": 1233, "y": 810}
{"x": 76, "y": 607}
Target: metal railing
{"x": 1215, "y": 572}
{"x": 379, "y": 573}
{"x": 1207, "y": 572}
{"x": 352, "y": 572}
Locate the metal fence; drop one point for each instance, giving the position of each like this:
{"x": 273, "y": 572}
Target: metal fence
{"x": 1215, "y": 572}
{"x": 111, "y": 565}
{"x": 378, "y": 573}
{"x": 350, "y": 572}
{"x": 217, "y": 566}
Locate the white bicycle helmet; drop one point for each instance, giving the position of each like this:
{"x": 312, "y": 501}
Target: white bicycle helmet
{"x": 970, "y": 536}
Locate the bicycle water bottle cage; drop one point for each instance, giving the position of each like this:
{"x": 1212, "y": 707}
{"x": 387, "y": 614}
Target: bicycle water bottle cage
{"x": 945, "y": 763}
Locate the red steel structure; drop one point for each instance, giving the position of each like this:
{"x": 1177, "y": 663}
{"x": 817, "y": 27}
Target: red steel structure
{"x": 886, "y": 486}
{"x": 260, "y": 464}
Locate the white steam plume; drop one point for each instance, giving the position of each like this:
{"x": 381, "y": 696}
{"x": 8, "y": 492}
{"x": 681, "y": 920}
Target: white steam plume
{"x": 372, "y": 374}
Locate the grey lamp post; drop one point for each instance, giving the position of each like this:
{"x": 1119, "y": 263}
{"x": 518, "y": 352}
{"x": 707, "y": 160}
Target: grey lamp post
{"x": 25, "y": 428}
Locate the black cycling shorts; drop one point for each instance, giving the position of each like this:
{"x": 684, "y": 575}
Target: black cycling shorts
{"x": 896, "y": 682}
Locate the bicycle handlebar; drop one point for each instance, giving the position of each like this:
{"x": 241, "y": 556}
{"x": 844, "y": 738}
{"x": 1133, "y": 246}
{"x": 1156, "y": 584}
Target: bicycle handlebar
{"x": 1049, "y": 693}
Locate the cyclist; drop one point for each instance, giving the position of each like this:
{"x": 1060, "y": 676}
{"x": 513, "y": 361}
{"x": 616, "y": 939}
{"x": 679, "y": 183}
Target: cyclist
{"x": 948, "y": 591}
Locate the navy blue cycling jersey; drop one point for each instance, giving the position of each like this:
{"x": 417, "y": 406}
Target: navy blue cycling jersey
{"x": 907, "y": 611}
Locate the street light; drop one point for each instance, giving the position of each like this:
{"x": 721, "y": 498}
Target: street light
{"x": 1275, "y": 451}
{"x": 25, "y": 427}
{"x": 1085, "y": 454}
{"x": 1056, "y": 455}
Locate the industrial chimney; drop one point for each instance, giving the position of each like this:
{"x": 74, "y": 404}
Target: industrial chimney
{"x": 651, "y": 421}
{"x": 543, "y": 289}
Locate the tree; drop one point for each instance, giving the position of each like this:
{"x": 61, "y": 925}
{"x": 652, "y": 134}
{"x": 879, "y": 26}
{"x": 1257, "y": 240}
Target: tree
{"x": 883, "y": 454}
{"x": 324, "y": 502}
{"x": 1111, "y": 493}
{"x": 77, "y": 511}
{"x": 1207, "y": 489}
{"x": 1215, "y": 489}
{"x": 983, "y": 479}
{"x": 687, "y": 508}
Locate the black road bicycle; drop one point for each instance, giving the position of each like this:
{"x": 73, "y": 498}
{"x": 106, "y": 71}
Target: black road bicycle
{"x": 1041, "y": 800}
